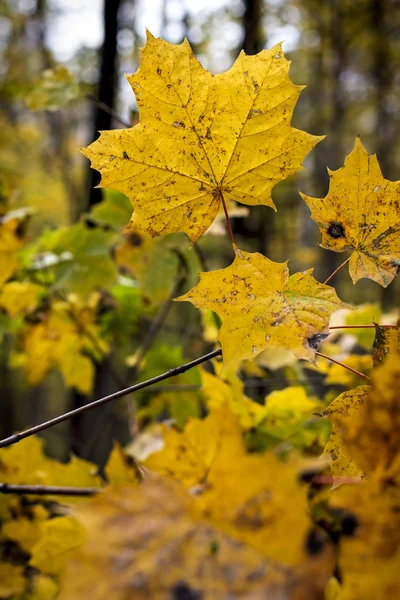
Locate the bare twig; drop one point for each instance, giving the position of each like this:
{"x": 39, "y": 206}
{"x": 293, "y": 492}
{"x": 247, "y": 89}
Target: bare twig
{"x": 336, "y": 270}
{"x": 104, "y": 107}
{"x": 335, "y": 480}
{"x": 47, "y": 490}
{"x": 337, "y": 362}
{"x": 13, "y": 439}
{"x": 361, "y": 326}
{"x": 157, "y": 324}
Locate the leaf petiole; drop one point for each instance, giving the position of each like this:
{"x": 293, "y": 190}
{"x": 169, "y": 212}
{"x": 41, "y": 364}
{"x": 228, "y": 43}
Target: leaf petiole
{"x": 228, "y": 221}
{"x": 336, "y": 270}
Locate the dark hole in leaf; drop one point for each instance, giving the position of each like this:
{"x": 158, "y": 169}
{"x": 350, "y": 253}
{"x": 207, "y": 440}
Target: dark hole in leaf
{"x": 125, "y": 155}
{"x": 336, "y": 230}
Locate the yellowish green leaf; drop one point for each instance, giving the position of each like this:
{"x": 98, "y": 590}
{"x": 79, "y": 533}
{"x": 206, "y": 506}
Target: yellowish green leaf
{"x": 262, "y": 307}
{"x": 62, "y": 340}
{"x": 11, "y": 240}
{"x": 54, "y": 90}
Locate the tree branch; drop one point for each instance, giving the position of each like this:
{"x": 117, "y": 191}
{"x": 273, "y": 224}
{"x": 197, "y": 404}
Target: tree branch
{"x": 47, "y": 490}
{"x": 13, "y": 439}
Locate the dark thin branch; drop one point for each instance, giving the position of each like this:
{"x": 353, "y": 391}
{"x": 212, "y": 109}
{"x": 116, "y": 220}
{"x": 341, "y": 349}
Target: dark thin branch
{"x": 13, "y": 439}
{"x": 105, "y": 108}
{"x": 47, "y": 490}
{"x": 362, "y": 326}
{"x": 157, "y": 324}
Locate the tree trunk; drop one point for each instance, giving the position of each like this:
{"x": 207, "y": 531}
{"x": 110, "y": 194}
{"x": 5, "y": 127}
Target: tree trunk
{"x": 107, "y": 86}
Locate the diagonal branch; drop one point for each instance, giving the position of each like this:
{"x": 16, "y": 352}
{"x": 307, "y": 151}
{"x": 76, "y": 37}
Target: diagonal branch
{"x": 13, "y": 439}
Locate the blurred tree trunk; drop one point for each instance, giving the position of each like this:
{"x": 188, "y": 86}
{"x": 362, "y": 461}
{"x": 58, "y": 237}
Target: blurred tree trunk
{"x": 107, "y": 87}
{"x": 82, "y": 426}
{"x": 382, "y": 12}
{"x": 382, "y": 71}
{"x": 253, "y": 38}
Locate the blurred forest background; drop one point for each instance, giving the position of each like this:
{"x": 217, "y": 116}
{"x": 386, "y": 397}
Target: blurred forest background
{"x": 62, "y": 80}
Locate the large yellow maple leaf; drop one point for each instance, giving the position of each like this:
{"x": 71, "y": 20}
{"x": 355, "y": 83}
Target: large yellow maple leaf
{"x": 202, "y": 139}
{"x": 361, "y": 212}
{"x": 365, "y": 437}
{"x": 262, "y": 307}
{"x": 149, "y": 542}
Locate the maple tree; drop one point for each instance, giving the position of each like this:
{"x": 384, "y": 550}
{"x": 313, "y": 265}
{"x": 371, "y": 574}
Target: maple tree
{"x": 229, "y": 499}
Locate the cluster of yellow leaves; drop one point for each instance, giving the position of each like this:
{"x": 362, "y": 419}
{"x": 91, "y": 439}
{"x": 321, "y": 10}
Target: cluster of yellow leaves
{"x": 64, "y": 338}
{"x": 54, "y": 90}
{"x": 47, "y": 532}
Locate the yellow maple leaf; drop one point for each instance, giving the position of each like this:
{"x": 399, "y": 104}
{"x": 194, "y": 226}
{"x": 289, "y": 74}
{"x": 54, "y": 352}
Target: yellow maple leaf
{"x": 369, "y": 555}
{"x": 361, "y": 213}
{"x": 262, "y": 307}
{"x": 148, "y": 542}
{"x": 365, "y": 438}
{"x": 189, "y": 455}
{"x": 341, "y": 411}
{"x": 202, "y": 139}
{"x": 243, "y": 494}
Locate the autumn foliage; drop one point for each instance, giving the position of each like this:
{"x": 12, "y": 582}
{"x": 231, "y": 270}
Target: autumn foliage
{"x": 219, "y": 494}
